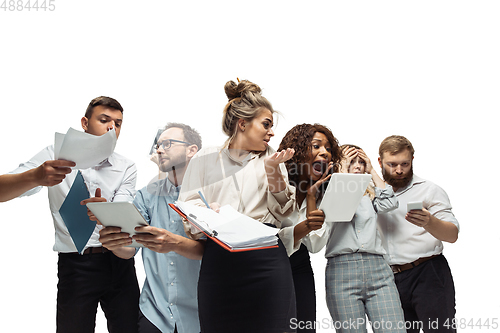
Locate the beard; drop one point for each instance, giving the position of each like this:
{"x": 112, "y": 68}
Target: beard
{"x": 398, "y": 182}
{"x": 172, "y": 163}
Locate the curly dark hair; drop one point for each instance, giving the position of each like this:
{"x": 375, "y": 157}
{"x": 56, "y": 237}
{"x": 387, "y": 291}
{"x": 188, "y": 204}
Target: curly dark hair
{"x": 299, "y": 138}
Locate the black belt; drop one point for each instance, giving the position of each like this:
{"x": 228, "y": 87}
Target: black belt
{"x": 405, "y": 267}
{"x": 93, "y": 250}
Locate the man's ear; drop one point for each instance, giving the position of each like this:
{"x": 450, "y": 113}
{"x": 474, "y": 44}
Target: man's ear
{"x": 380, "y": 162}
{"x": 85, "y": 123}
{"x": 191, "y": 151}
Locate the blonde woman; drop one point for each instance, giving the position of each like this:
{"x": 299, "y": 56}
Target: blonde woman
{"x": 358, "y": 280}
{"x": 245, "y": 291}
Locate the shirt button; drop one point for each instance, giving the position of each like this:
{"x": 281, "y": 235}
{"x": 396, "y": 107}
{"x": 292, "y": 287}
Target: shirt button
{"x": 173, "y": 221}
{"x": 172, "y": 263}
{"x": 172, "y": 284}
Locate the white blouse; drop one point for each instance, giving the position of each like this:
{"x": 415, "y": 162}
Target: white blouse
{"x": 241, "y": 184}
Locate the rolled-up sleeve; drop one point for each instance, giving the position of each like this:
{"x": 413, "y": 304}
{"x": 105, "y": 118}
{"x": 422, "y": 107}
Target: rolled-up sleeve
{"x": 385, "y": 200}
{"x": 439, "y": 206}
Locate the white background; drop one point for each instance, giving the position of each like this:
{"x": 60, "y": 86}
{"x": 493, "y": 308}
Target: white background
{"x": 428, "y": 70}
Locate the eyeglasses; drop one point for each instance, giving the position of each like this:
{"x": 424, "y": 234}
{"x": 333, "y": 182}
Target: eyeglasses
{"x": 166, "y": 144}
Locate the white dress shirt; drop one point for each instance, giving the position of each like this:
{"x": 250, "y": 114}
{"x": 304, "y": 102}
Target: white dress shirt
{"x": 115, "y": 176}
{"x": 404, "y": 241}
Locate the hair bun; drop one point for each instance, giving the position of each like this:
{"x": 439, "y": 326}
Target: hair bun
{"x": 234, "y": 90}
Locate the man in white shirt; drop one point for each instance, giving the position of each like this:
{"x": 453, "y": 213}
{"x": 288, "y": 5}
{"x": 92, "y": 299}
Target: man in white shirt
{"x": 95, "y": 276}
{"x": 413, "y": 241}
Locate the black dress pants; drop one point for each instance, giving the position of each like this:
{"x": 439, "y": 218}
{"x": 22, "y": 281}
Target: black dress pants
{"x": 427, "y": 296}
{"x": 89, "y": 279}
{"x": 305, "y": 291}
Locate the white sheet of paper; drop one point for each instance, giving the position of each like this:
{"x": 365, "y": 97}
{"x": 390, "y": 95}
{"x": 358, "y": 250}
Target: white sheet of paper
{"x": 85, "y": 149}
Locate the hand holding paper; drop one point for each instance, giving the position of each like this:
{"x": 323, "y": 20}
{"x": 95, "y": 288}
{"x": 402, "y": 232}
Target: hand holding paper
{"x": 85, "y": 149}
{"x": 51, "y": 173}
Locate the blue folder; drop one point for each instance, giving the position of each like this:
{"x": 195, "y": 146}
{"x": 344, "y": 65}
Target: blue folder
{"x": 75, "y": 216}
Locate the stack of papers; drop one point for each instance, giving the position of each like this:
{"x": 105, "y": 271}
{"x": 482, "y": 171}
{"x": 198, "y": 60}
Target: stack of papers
{"x": 85, "y": 149}
{"x": 235, "y": 230}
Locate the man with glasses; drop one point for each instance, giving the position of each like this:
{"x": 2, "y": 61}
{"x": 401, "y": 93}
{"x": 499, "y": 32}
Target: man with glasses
{"x": 96, "y": 275}
{"x": 168, "y": 301}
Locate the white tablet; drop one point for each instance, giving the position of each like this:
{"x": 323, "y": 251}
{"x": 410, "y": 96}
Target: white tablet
{"x": 119, "y": 214}
{"x": 343, "y": 195}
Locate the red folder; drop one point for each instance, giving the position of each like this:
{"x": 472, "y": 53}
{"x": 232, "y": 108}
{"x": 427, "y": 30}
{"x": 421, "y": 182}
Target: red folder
{"x": 215, "y": 239}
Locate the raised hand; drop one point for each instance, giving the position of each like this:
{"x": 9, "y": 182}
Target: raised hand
{"x": 97, "y": 198}
{"x": 368, "y": 163}
{"x": 326, "y": 175}
{"x": 279, "y": 157}
{"x": 348, "y": 154}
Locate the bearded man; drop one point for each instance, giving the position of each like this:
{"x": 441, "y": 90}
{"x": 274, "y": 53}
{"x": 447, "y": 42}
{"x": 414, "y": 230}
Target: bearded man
{"x": 413, "y": 241}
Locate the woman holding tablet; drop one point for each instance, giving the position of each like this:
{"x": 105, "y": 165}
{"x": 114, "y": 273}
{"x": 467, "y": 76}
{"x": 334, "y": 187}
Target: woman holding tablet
{"x": 358, "y": 279}
{"x": 249, "y": 291}
{"x": 317, "y": 154}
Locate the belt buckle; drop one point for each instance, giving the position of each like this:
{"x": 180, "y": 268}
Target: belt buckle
{"x": 396, "y": 269}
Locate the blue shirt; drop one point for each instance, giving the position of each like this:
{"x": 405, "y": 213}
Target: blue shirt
{"x": 169, "y": 294}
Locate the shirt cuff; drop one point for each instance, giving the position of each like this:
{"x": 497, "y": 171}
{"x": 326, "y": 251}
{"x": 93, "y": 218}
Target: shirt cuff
{"x": 286, "y": 236}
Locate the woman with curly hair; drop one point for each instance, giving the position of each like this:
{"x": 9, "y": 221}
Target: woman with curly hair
{"x": 250, "y": 291}
{"x": 317, "y": 154}
{"x": 358, "y": 280}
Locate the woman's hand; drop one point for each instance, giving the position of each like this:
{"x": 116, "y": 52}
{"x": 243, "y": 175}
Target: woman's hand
{"x": 275, "y": 159}
{"x": 364, "y": 157}
{"x": 271, "y": 164}
{"x": 315, "y": 187}
{"x": 315, "y": 219}
{"x": 215, "y": 206}
{"x": 348, "y": 154}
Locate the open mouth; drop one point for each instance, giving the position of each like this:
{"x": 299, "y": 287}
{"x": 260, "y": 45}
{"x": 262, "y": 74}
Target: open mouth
{"x": 319, "y": 167}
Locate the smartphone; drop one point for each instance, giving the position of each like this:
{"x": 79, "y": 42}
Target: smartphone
{"x": 417, "y": 205}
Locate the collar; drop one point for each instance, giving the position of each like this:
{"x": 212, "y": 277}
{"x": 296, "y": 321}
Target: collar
{"x": 170, "y": 188}
{"x": 414, "y": 181}
{"x": 251, "y": 155}
{"x": 111, "y": 160}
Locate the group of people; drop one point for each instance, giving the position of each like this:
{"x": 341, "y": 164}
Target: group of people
{"x": 386, "y": 263}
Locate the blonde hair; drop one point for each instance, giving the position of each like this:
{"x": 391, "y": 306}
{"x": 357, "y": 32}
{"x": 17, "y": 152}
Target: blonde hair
{"x": 370, "y": 190}
{"x": 395, "y": 144}
{"x": 245, "y": 102}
